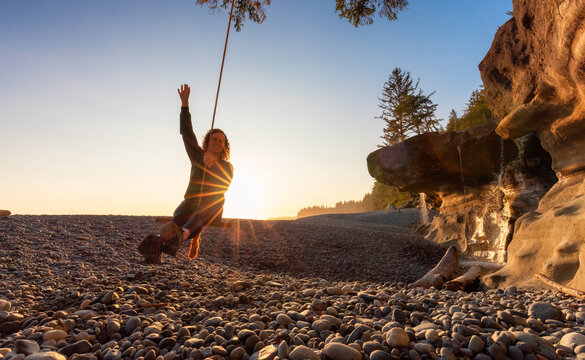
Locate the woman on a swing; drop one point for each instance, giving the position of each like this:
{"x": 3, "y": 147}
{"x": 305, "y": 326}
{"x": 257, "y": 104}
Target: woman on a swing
{"x": 211, "y": 175}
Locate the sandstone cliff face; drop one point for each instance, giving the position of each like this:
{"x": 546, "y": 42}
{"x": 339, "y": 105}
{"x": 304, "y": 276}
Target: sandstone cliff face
{"x": 534, "y": 76}
{"x": 484, "y": 183}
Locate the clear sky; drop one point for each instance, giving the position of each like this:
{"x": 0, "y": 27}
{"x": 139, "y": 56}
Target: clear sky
{"x": 89, "y": 108}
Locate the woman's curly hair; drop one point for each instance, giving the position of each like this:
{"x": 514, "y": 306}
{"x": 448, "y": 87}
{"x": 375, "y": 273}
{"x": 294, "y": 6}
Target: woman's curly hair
{"x": 225, "y": 154}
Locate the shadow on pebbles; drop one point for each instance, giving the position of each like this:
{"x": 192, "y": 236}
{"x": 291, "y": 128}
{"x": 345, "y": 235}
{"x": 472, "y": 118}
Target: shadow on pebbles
{"x": 330, "y": 287}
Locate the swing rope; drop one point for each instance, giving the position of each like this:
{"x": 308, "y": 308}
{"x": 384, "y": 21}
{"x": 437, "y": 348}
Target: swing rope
{"x": 227, "y": 35}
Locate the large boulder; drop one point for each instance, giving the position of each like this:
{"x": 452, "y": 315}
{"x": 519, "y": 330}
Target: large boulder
{"x": 443, "y": 163}
{"x": 534, "y": 76}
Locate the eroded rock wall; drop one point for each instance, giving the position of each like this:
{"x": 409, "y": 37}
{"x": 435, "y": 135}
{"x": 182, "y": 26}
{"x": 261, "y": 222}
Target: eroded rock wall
{"x": 534, "y": 76}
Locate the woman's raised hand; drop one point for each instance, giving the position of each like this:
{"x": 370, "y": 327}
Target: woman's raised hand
{"x": 184, "y": 91}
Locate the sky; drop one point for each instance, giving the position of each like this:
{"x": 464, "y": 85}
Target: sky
{"x": 89, "y": 108}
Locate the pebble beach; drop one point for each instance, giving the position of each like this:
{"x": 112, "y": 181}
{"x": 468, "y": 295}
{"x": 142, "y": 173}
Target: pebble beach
{"x": 332, "y": 287}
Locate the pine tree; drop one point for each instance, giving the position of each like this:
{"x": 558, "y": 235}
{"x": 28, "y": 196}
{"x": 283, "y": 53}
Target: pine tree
{"x": 453, "y": 120}
{"x": 405, "y": 108}
{"x": 476, "y": 112}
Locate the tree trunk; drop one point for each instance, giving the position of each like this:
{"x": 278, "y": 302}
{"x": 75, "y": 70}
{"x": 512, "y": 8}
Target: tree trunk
{"x": 464, "y": 280}
{"x": 442, "y": 272}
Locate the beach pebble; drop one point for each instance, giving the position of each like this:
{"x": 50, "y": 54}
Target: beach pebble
{"x": 381, "y": 355}
{"x": 54, "y": 335}
{"x": 5, "y": 305}
{"x": 26, "y": 347}
{"x": 572, "y": 340}
{"x": 302, "y": 352}
{"x": 337, "y": 351}
{"x": 49, "y": 355}
{"x": 80, "y": 347}
{"x": 544, "y": 311}
{"x": 397, "y": 337}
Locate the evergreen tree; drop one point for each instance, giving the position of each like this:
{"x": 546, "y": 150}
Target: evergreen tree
{"x": 453, "y": 120}
{"x": 405, "y": 109}
{"x": 357, "y": 12}
{"x": 476, "y": 112}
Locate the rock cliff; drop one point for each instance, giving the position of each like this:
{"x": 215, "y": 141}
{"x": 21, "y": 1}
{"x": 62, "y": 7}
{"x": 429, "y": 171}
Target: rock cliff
{"x": 484, "y": 183}
{"x": 534, "y": 76}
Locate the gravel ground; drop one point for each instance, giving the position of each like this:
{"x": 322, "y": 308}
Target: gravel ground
{"x": 327, "y": 287}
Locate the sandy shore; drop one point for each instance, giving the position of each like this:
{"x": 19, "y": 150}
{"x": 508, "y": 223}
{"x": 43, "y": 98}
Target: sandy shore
{"x": 332, "y": 286}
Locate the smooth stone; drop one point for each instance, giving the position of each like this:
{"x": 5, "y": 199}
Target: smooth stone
{"x": 544, "y": 311}
{"x": 5, "y": 305}
{"x": 283, "y": 350}
{"x": 423, "y": 348}
{"x": 371, "y": 346}
{"x": 355, "y": 334}
{"x": 26, "y": 347}
{"x": 432, "y": 336}
{"x": 579, "y": 349}
{"x": 572, "y": 340}
{"x": 541, "y": 346}
{"x": 413, "y": 355}
{"x": 319, "y": 305}
{"x": 283, "y": 319}
{"x": 80, "y": 347}
{"x": 237, "y": 353}
{"x": 214, "y": 321}
{"x": 54, "y": 335}
{"x": 446, "y": 354}
{"x": 366, "y": 296}
{"x": 424, "y": 326}
{"x": 476, "y": 344}
{"x": 321, "y": 325}
{"x": 332, "y": 319}
{"x": 266, "y": 353}
{"x": 302, "y": 352}
{"x": 112, "y": 327}
{"x": 397, "y": 337}
{"x": 380, "y": 355}
{"x": 218, "y": 350}
{"x": 510, "y": 290}
{"x": 167, "y": 343}
{"x": 109, "y": 297}
{"x": 85, "y": 314}
{"x": 113, "y": 354}
{"x": 337, "y": 351}
{"x": 496, "y": 352}
{"x": 514, "y": 353}
{"x": 49, "y": 355}
{"x": 89, "y": 280}
{"x": 334, "y": 290}
{"x": 138, "y": 290}
{"x": 398, "y": 316}
{"x": 131, "y": 324}
{"x": 244, "y": 334}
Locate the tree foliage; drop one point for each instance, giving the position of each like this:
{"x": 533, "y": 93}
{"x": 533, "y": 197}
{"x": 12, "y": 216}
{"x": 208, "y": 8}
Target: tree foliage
{"x": 378, "y": 199}
{"x": 361, "y": 12}
{"x": 476, "y": 112}
{"x": 341, "y": 207}
{"x": 357, "y": 12}
{"x": 384, "y": 194}
{"x": 406, "y": 110}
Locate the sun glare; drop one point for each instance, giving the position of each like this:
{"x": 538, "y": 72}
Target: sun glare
{"x": 246, "y": 196}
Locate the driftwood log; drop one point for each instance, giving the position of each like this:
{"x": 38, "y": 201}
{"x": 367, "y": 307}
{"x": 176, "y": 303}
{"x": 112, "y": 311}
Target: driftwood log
{"x": 464, "y": 280}
{"x": 5, "y": 213}
{"x": 561, "y": 288}
{"x": 444, "y": 270}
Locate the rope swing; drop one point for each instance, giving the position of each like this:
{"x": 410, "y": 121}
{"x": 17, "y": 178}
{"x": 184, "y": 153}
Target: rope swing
{"x": 227, "y": 35}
